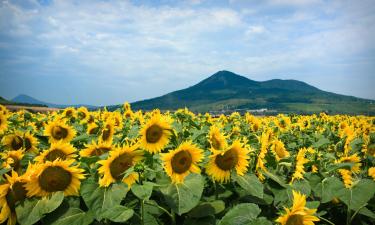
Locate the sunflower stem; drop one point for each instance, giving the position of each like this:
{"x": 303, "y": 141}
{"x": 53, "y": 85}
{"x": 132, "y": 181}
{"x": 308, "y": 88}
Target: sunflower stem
{"x": 325, "y": 220}
{"x": 142, "y": 212}
{"x": 164, "y": 210}
{"x": 215, "y": 189}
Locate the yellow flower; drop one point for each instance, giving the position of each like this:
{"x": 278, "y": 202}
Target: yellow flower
{"x": 11, "y": 193}
{"x": 223, "y": 162}
{"x": 3, "y": 123}
{"x": 155, "y": 133}
{"x": 371, "y": 172}
{"x": 96, "y": 149}
{"x": 353, "y": 159}
{"x": 49, "y": 177}
{"x": 119, "y": 161}
{"x": 13, "y": 141}
{"x": 108, "y": 131}
{"x": 83, "y": 114}
{"x": 299, "y": 214}
{"x": 279, "y": 149}
{"x": 12, "y": 159}
{"x": 58, "y": 131}
{"x": 300, "y": 161}
{"x": 58, "y": 150}
{"x": 181, "y": 161}
{"x": 69, "y": 112}
{"x": 346, "y": 177}
{"x": 216, "y": 138}
{"x": 92, "y": 128}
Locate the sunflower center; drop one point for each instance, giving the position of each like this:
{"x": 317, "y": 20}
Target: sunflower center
{"x": 27, "y": 144}
{"x": 371, "y": 149}
{"x": 120, "y": 165}
{"x": 106, "y": 132}
{"x": 227, "y": 161}
{"x": 94, "y": 130}
{"x": 17, "y": 143}
{"x": 82, "y": 115}
{"x": 55, "y": 178}
{"x": 100, "y": 151}
{"x": 181, "y": 162}
{"x": 17, "y": 193}
{"x": 154, "y": 133}
{"x": 16, "y": 163}
{"x": 215, "y": 143}
{"x": 59, "y": 132}
{"x": 69, "y": 113}
{"x": 295, "y": 220}
{"x": 55, "y": 154}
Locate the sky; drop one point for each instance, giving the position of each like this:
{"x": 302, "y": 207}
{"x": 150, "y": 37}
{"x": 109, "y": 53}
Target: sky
{"x": 103, "y": 52}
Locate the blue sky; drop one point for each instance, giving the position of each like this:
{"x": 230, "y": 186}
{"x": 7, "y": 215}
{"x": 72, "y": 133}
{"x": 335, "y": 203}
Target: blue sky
{"x": 107, "y": 52}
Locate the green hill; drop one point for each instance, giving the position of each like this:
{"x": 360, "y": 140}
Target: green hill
{"x": 228, "y": 91}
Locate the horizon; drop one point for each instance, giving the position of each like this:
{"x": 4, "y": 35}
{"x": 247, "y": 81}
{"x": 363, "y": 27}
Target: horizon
{"x": 108, "y": 52}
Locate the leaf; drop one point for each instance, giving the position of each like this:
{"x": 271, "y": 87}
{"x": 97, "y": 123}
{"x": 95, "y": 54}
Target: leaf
{"x": 251, "y": 184}
{"x": 185, "y": 196}
{"x": 365, "y": 211}
{"x": 118, "y": 214}
{"x": 275, "y": 178}
{"x": 303, "y": 186}
{"x": 32, "y": 210}
{"x": 100, "y": 199}
{"x": 83, "y": 137}
{"x": 260, "y": 221}
{"x": 330, "y": 187}
{"x": 322, "y": 141}
{"x": 240, "y": 214}
{"x": 75, "y": 216}
{"x": 346, "y": 165}
{"x": 358, "y": 196}
{"x": 142, "y": 191}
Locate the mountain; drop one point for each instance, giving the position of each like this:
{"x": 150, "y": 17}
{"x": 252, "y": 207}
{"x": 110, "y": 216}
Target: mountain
{"x": 25, "y": 99}
{"x": 225, "y": 90}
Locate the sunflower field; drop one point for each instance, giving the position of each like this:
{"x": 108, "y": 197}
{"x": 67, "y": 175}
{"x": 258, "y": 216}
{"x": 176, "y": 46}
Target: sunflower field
{"x": 76, "y": 166}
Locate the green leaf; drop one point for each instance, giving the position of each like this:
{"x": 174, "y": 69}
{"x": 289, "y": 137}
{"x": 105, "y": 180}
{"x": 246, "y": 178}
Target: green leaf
{"x": 100, "y": 199}
{"x": 118, "y": 214}
{"x": 83, "y": 137}
{"x": 251, "y": 184}
{"x": 330, "y": 187}
{"x": 358, "y": 195}
{"x": 275, "y": 178}
{"x": 240, "y": 214}
{"x": 303, "y": 186}
{"x": 260, "y": 221}
{"x": 185, "y": 196}
{"x": 333, "y": 167}
{"x": 142, "y": 191}
{"x": 32, "y": 210}
{"x": 75, "y": 216}
{"x": 321, "y": 142}
{"x": 365, "y": 211}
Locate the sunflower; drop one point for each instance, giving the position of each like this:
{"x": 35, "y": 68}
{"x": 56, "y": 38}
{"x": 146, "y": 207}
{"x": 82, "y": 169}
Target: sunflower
{"x": 69, "y": 112}
{"x": 119, "y": 161}
{"x": 155, "y": 133}
{"x": 83, "y": 114}
{"x": 12, "y": 159}
{"x": 58, "y": 150}
{"x": 181, "y": 161}
{"x": 222, "y": 162}
{"x": 11, "y": 193}
{"x": 96, "y": 149}
{"x": 3, "y": 123}
{"x": 371, "y": 172}
{"x": 49, "y": 177}
{"x": 300, "y": 161}
{"x": 216, "y": 138}
{"x": 279, "y": 149}
{"x": 58, "y": 131}
{"x": 92, "y": 128}
{"x": 108, "y": 131}
{"x": 13, "y": 141}
{"x": 352, "y": 159}
{"x": 299, "y": 214}
{"x": 30, "y": 142}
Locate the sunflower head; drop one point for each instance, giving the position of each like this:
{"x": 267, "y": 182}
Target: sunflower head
{"x": 3, "y": 123}
{"x": 223, "y": 162}
{"x": 12, "y": 159}
{"x": 96, "y": 149}
{"x": 180, "y": 162}
{"x": 108, "y": 131}
{"x": 49, "y": 177}
{"x": 58, "y": 131}
{"x": 13, "y": 141}
{"x": 58, "y": 150}
{"x": 119, "y": 161}
{"x": 216, "y": 138}
{"x": 155, "y": 133}
{"x": 298, "y": 214}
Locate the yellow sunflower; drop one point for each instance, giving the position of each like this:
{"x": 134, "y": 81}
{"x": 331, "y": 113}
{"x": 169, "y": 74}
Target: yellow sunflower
{"x": 12, "y": 159}
{"x": 49, "y": 177}
{"x": 10, "y": 193}
{"x": 108, "y": 131}
{"x": 31, "y": 143}
{"x": 181, "y": 161}
{"x": 223, "y": 162}
{"x": 58, "y": 150}
{"x": 92, "y": 128}
{"x": 3, "y": 123}
{"x": 119, "y": 161}
{"x": 58, "y": 131}
{"x": 69, "y": 112}
{"x": 279, "y": 149}
{"x": 96, "y": 149}
{"x": 299, "y": 214}
{"x": 155, "y": 133}
{"x": 352, "y": 159}
{"x": 371, "y": 172}
{"x": 83, "y": 114}
{"x": 216, "y": 138}
{"x": 13, "y": 141}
